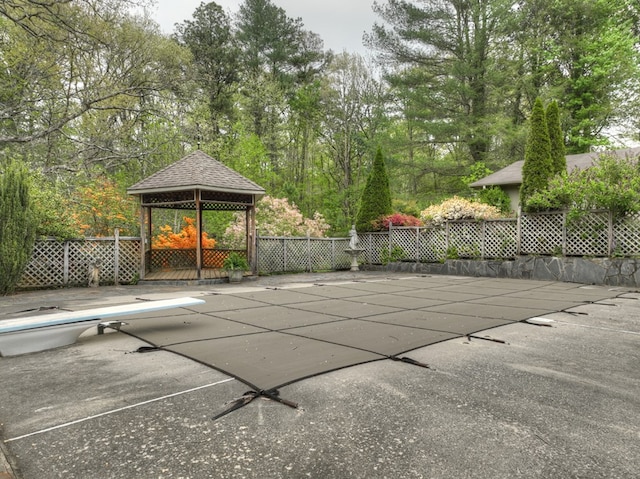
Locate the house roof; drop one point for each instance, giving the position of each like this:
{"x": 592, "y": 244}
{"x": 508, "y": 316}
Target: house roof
{"x": 512, "y": 174}
{"x": 196, "y": 171}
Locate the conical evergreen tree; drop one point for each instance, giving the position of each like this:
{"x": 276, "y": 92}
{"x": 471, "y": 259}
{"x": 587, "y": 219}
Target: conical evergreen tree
{"x": 556, "y": 137}
{"x": 17, "y": 225}
{"x": 376, "y": 197}
{"x": 537, "y": 167}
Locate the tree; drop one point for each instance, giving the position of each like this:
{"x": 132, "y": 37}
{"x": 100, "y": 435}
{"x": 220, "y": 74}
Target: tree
{"x": 210, "y": 39}
{"x": 585, "y": 52}
{"x": 556, "y": 137}
{"x": 376, "y": 197}
{"x": 18, "y": 225}
{"x": 537, "y": 168}
{"x": 448, "y": 43}
{"x": 354, "y": 112}
{"x": 80, "y": 78}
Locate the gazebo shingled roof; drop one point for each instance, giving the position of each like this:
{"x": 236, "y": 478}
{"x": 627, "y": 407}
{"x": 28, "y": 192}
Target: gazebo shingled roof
{"x": 197, "y": 170}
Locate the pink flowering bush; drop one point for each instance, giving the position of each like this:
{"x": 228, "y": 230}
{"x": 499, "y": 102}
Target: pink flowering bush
{"x": 275, "y": 217}
{"x": 457, "y": 208}
{"x": 395, "y": 219}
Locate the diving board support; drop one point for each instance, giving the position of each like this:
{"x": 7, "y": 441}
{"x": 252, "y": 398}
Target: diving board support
{"x": 38, "y": 333}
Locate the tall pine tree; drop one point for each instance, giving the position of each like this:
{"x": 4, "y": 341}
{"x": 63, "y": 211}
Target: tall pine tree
{"x": 556, "y": 137}
{"x": 537, "y": 167}
{"x": 376, "y": 197}
{"x": 17, "y": 225}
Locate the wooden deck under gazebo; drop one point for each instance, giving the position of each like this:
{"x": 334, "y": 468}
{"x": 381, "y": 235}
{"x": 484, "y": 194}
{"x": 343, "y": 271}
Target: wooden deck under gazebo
{"x": 198, "y": 183}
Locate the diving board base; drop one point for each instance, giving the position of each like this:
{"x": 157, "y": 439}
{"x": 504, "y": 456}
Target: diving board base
{"x": 41, "y": 339}
{"x": 38, "y": 333}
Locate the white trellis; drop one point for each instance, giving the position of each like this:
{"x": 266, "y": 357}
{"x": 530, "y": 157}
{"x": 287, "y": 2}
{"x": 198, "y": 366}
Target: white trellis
{"x": 65, "y": 263}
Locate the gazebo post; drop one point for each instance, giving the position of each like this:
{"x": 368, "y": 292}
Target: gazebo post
{"x": 199, "y": 236}
{"x": 251, "y": 237}
{"x": 143, "y": 239}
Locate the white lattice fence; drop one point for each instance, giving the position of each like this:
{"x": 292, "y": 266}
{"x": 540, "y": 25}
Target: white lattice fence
{"x": 271, "y": 257}
{"x": 374, "y": 244}
{"x": 128, "y": 260}
{"x": 68, "y": 263}
{"x": 433, "y": 244}
{"x": 626, "y": 236}
{"x": 329, "y": 254}
{"x": 407, "y": 239}
{"x": 500, "y": 239}
{"x": 291, "y": 254}
{"x": 465, "y": 239}
{"x": 588, "y": 236}
{"x": 542, "y": 234}
{"x": 46, "y": 267}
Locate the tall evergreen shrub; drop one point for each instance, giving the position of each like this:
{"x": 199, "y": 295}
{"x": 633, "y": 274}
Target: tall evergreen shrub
{"x": 17, "y": 225}
{"x": 537, "y": 169}
{"x": 556, "y": 137}
{"x": 376, "y": 197}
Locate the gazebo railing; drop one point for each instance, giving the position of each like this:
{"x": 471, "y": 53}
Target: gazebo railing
{"x": 162, "y": 259}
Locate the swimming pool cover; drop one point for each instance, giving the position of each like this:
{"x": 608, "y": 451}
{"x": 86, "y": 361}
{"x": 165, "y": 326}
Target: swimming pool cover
{"x": 268, "y": 338}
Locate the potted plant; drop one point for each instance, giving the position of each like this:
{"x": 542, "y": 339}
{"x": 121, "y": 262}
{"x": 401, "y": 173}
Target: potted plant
{"x": 235, "y": 264}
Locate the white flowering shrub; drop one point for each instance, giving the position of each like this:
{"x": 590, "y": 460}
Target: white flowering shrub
{"x": 275, "y": 217}
{"x": 457, "y": 208}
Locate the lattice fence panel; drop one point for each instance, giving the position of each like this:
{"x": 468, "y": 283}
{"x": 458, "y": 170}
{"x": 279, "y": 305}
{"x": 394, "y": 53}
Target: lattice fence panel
{"x": 342, "y": 258}
{"x": 129, "y": 259}
{"x": 588, "y": 236}
{"x": 407, "y": 240}
{"x": 626, "y": 236}
{"x": 271, "y": 255}
{"x": 46, "y": 267}
{"x": 433, "y": 244}
{"x": 328, "y": 254}
{"x": 172, "y": 259}
{"x": 542, "y": 234}
{"x": 296, "y": 254}
{"x": 465, "y": 239}
{"x": 500, "y": 239}
{"x": 84, "y": 254}
{"x": 374, "y": 244}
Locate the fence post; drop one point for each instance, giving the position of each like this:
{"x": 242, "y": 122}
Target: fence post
{"x": 116, "y": 255}
{"x": 611, "y": 239}
{"x": 483, "y": 240}
{"x": 564, "y": 233}
{"x": 309, "y": 261}
{"x": 333, "y": 253}
{"x": 417, "y": 244}
{"x": 284, "y": 254}
{"x": 446, "y": 239}
{"x": 65, "y": 262}
{"x": 519, "y": 232}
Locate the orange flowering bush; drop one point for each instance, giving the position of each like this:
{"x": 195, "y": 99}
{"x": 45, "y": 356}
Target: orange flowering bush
{"x": 100, "y": 207}
{"x": 184, "y": 239}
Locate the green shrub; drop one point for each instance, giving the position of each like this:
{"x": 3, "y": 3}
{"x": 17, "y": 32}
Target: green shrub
{"x": 17, "y": 225}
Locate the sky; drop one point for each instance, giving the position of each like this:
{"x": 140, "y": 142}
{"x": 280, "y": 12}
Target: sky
{"x": 340, "y": 23}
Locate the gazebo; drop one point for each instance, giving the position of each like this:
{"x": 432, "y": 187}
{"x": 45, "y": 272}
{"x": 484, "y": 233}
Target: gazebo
{"x": 198, "y": 183}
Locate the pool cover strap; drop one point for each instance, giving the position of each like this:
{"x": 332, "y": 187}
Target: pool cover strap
{"x": 249, "y": 396}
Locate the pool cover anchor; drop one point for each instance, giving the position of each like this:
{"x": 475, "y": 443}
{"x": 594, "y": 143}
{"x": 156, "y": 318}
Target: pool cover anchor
{"x": 485, "y": 338}
{"x": 407, "y": 360}
{"x": 246, "y": 398}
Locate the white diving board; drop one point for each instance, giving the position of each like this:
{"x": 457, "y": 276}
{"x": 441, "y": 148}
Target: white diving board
{"x": 47, "y": 331}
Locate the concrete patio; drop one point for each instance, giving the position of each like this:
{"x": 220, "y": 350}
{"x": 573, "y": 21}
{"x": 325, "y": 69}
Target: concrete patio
{"x": 516, "y": 400}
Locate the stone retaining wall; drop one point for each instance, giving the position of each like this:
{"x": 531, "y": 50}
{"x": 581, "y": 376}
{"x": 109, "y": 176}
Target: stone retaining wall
{"x": 600, "y": 271}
